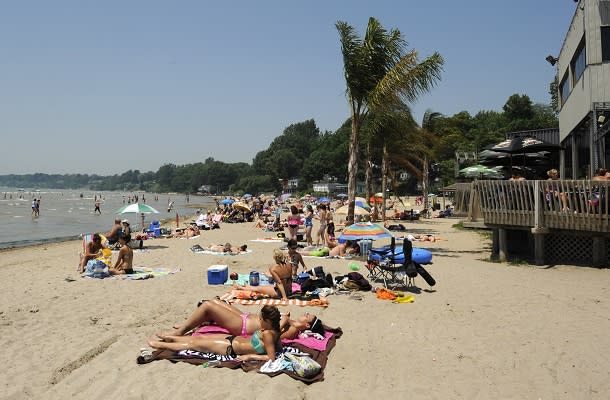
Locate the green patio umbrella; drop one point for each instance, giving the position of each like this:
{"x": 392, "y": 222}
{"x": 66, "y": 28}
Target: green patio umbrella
{"x": 480, "y": 171}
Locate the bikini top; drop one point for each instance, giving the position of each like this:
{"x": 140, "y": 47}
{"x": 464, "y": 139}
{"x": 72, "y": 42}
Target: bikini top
{"x": 257, "y": 343}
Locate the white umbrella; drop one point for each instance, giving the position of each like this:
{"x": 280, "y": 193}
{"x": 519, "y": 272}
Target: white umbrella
{"x": 137, "y": 208}
{"x": 357, "y": 210}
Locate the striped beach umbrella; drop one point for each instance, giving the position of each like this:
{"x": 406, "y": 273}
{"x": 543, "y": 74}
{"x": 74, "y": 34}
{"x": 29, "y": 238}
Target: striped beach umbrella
{"x": 365, "y": 230}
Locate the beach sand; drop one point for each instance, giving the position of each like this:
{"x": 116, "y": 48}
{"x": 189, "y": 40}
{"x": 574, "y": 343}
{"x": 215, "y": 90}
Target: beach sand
{"x": 486, "y": 330}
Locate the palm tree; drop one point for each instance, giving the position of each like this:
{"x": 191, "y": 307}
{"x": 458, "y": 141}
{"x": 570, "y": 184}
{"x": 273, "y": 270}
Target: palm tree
{"x": 379, "y": 73}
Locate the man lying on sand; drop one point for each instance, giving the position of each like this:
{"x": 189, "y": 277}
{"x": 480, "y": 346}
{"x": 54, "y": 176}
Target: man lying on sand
{"x": 226, "y": 248}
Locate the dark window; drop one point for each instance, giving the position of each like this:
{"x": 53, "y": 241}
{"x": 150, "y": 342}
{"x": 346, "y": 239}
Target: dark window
{"x": 564, "y": 89}
{"x": 579, "y": 62}
{"x": 605, "y": 43}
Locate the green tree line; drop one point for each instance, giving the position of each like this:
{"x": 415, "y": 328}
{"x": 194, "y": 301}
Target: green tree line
{"x": 303, "y": 152}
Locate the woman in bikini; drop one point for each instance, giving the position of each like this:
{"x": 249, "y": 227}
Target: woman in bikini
{"x": 323, "y": 220}
{"x": 281, "y": 272}
{"x": 294, "y": 220}
{"x": 309, "y": 225}
{"x": 243, "y": 324}
{"x": 124, "y": 262}
{"x": 262, "y": 345}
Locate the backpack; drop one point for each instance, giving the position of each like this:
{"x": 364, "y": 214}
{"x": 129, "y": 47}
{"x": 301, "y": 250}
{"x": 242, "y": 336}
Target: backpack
{"x": 355, "y": 281}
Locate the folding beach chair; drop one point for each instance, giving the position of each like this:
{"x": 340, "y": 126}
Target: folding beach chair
{"x": 393, "y": 268}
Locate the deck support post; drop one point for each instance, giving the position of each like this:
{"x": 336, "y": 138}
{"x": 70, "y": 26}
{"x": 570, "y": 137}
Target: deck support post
{"x": 599, "y": 251}
{"x": 502, "y": 245}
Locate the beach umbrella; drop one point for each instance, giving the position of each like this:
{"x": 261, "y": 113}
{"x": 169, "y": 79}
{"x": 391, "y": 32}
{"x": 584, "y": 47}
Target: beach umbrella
{"x": 241, "y": 206}
{"x": 365, "y": 230}
{"x": 522, "y": 145}
{"x": 137, "y": 208}
{"x": 342, "y": 195}
{"x": 357, "y": 210}
{"x": 247, "y": 196}
{"x": 324, "y": 200}
{"x": 285, "y": 196}
{"x": 478, "y": 171}
{"x": 227, "y": 201}
{"x": 363, "y": 204}
{"x": 375, "y": 199}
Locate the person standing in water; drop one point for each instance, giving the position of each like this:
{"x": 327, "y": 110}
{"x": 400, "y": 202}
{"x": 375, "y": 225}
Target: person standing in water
{"x": 97, "y": 207}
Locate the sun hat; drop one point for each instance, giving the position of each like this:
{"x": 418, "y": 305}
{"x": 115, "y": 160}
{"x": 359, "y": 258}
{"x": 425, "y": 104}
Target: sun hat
{"x": 125, "y": 221}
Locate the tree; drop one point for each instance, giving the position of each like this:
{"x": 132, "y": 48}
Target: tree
{"x": 379, "y": 73}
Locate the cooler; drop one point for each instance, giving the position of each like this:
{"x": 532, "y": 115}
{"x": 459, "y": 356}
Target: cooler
{"x": 218, "y": 274}
{"x": 365, "y": 247}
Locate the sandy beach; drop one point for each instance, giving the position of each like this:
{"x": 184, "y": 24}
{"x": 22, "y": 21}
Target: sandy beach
{"x": 485, "y": 331}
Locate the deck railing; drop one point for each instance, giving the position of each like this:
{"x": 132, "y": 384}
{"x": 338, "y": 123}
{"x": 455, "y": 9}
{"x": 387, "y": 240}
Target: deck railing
{"x": 558, "y": 204}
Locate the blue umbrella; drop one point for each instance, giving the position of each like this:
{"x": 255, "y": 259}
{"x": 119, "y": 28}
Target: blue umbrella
{"x": 227, "y": 201}
{"x": 363, "y": 205}
{"x": 324, "y": 200}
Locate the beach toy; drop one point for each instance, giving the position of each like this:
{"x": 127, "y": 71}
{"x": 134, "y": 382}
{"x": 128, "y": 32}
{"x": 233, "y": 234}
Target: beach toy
{"x": 353, "y": 265}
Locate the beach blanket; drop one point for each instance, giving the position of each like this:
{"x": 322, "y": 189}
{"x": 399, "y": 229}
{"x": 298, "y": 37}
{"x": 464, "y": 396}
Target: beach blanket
{"x": 197, "y": 249}
{"x": 199, "y": 358}
{"x": 232, "y": 297}
{"x": 141, "y": 273}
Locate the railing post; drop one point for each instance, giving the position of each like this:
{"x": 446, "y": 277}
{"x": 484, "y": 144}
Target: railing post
{"x": 538, "y": 230}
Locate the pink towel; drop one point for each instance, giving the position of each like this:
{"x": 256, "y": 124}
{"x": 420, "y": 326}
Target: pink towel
{"x": 311, "y": 342}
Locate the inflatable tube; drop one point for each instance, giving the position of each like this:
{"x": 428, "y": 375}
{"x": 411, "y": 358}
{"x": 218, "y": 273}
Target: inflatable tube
{"x": 420, "y": 256}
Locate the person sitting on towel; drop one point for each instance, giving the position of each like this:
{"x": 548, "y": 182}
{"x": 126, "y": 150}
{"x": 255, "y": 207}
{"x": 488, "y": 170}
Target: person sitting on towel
{"x": 281, "y": 272}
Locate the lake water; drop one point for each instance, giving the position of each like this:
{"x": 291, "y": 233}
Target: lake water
{"x": 65, "y": 215}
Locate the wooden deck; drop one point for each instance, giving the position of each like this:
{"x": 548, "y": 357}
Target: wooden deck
{"x": 562, "y": 204}
{"x": 566, "y": 219}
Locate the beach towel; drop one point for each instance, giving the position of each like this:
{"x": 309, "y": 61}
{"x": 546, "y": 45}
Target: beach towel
{"x": 197, "y": 249}
{"x": 310, "y": 342}
{"x": 268, "y": 240}
{"x": 141, "y": 273}
{"x": 244, "y": 279}
{"x": 199, "y": 358}
{"x": 232, "y": 297}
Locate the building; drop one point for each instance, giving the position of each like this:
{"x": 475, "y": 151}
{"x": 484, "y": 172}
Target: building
{"x": 583, "y": 72}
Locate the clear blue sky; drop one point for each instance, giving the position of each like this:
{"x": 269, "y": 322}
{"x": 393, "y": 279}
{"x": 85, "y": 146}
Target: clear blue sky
{"x": 106, "y": 86}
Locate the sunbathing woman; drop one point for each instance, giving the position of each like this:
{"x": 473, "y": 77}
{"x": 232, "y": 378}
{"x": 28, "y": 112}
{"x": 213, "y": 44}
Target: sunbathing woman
{"x": 227, "y": 248}
{"x": 262, "y": 345}
{"x": 240, "y": 323}
{"x": 281, "y": 272}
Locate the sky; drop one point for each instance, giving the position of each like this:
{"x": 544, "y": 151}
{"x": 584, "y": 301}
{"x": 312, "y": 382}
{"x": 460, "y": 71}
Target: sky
{"x": 102, "y": 87}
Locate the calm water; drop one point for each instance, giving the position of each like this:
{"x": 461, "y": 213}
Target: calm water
{"x": 64, "y": 215}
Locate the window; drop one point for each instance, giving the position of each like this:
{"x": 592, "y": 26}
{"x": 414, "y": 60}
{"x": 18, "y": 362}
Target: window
{"x": 605, "y": 43}
{"x": 579, "y": 62}
{"x": 564, "y": 89}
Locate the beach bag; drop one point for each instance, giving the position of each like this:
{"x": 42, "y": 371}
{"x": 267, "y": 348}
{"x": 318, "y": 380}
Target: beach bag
{"x": 303, "y": 365}
{"x": 96, "y": 269}
{"x": 355, "y": 281}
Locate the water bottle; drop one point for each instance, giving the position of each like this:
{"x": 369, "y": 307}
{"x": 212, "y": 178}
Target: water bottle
{"x": 254, "y": 278}
{"x": 211, "y": 364}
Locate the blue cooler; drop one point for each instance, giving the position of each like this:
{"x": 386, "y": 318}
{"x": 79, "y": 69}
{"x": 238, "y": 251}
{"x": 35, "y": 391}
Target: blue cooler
{"x": 218, "y": 274}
